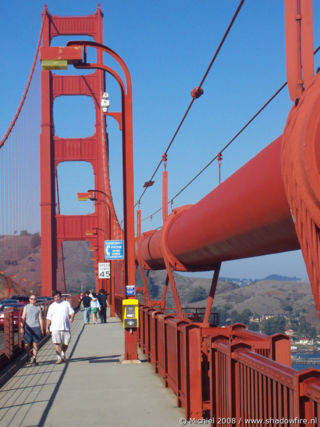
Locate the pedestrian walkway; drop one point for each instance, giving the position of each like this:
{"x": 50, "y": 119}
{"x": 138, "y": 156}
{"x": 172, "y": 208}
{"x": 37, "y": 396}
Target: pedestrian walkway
{"x": 92, "y": 389}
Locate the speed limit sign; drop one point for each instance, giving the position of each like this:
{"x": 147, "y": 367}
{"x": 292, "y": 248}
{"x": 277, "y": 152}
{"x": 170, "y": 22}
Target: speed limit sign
{"x": 104, "y": 270}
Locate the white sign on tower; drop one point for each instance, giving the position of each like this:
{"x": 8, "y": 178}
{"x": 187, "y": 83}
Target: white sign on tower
{"x": 104, "y": 270}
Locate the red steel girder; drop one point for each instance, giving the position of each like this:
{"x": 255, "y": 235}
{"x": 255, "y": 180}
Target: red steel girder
{"x": 247, "y": 215}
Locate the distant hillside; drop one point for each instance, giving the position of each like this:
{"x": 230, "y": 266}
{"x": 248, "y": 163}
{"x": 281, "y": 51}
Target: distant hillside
{"x": 261, "y": 297}
{"x": 21, "y": 258}
{"x": 239, "y": 281}
{"x": 278, "y": 277}
{"x": 186, "y": 287}
{"x": 244, "y": 281}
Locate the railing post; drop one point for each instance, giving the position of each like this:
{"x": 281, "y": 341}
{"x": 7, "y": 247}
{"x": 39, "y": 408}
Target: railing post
{"x": 281, "y": 349}
{"x": 192, "y": 371}
{"x": 8, "y": 334}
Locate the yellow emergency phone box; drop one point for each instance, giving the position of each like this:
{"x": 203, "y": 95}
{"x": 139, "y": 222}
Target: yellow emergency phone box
{"x": 130, "y": 313}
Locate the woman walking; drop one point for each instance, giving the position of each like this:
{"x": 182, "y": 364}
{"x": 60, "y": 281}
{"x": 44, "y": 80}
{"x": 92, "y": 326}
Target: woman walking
{"x": 95, "y": 307}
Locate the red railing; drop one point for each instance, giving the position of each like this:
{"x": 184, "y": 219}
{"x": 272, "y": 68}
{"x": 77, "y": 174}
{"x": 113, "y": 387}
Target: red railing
{"x": 245, "y": 385}
{"x": 230, "y": 374}
{"x": 118, "y": 305}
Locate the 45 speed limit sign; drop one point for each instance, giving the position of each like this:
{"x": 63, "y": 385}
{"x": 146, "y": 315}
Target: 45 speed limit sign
{"x": 104, "y": 270}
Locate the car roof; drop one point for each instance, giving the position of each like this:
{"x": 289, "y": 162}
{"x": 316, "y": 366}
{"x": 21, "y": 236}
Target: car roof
{"x": 4, "y": 306}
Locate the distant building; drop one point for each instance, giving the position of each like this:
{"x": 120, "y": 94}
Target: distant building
{"x": 306, "y": 341}
{"x": 267, "y": 316}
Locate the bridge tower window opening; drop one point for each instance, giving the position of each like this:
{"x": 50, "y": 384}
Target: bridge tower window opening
{"x": 74, "y": 177}
{"x": 77, "y": 112}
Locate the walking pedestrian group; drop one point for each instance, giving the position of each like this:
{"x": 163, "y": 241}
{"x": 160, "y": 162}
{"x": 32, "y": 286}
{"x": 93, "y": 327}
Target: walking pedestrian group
{"x": 60, "y": 315}
{"x": 92, "y": 304}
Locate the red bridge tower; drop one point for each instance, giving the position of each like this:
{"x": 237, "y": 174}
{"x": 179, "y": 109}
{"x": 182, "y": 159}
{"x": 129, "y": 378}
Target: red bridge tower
{"x": 57, "y": 228}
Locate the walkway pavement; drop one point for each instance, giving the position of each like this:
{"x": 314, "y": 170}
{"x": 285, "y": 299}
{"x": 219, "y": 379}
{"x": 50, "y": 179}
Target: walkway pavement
{"x": 92, "y": 389}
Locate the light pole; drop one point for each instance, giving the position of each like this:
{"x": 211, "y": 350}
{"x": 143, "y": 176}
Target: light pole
{"x": 92, "y": 195}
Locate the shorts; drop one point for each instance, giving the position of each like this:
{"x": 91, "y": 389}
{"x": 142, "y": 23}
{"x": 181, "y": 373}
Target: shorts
{"x": 61, "y": 337}
{"x": 94, "y": 310}
{"x": 31, "y": 334}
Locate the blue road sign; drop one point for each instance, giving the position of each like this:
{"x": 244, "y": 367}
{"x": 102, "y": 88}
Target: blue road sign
{"x": 113, "y": 249}
{"x": 130, "y": 290}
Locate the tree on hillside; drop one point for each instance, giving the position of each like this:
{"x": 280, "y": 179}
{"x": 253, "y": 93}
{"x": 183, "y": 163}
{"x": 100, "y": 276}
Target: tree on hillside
{"x": 35, "y": 240}
{"x": 223, "y": 315}
{"x": 242, "y": 317}
{"x": 254, "y": 326}
{"x": 288, "y": 308}
{"x": 153, "y": 289}
{"x": 273, "y": 325}
{"x": 305, "y": 329}
{"x": 197, "y": 294}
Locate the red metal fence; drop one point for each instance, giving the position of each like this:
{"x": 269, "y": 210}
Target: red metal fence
{"x": 228, "y": 373}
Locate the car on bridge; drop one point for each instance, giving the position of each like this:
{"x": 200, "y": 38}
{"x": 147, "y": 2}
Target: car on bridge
{"x": 21, "y": 299}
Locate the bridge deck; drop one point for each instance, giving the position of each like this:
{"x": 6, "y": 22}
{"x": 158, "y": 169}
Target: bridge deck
{"x": 92, "y": 389}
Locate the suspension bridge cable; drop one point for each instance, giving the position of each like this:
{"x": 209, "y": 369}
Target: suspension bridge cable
{"x": 229, "y": 142}
{"x": 5, "y": 137}
{"x": 226, "y": 145}
{"x": 234, "y": 137}
{"x": 196, "y": 93}
{"x": 223, "y": 148}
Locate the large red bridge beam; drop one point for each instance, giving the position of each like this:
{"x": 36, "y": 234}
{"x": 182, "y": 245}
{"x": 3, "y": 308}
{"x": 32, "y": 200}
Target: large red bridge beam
{"x": 245, "y": 216}
{"x": 270, "y": 205}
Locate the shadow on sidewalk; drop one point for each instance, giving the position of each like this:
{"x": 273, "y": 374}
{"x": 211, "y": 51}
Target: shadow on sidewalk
{"x": 56, "y": 389}
{"x": 100, "y": 359}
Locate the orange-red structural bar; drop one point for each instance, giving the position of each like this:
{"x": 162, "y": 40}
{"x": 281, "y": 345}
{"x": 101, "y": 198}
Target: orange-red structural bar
{"x": 69, "y": 53}
{"x": 245, "y": 216}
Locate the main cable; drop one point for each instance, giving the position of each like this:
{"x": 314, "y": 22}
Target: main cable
{"x": 227, "y": 144}
{"x": 13, "y": 122}
{"x": 223, "y": 148}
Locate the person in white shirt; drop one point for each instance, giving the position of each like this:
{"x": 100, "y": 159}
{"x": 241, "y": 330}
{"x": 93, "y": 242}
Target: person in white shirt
{"x": 95, "y": 307}
{"x": 60, "y": 315}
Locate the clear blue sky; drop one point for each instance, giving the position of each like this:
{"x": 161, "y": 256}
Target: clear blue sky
{"x": 168, "y": 45}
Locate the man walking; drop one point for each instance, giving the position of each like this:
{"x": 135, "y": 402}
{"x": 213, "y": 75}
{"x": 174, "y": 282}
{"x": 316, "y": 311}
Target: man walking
{"x": 102, "y": 297}
{"x": 60, "y": 315}
{"x": 86, "y": 300}
{"x": 32, "y": 327}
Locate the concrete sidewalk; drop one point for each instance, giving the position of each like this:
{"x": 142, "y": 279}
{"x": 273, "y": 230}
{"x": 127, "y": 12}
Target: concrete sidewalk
{"x": 92, "y": 389}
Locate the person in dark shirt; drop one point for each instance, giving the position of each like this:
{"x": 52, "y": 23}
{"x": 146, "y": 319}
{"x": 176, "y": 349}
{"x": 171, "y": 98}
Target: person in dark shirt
{"x": 102, "y": 297}
{"x": 86, "y": 300}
